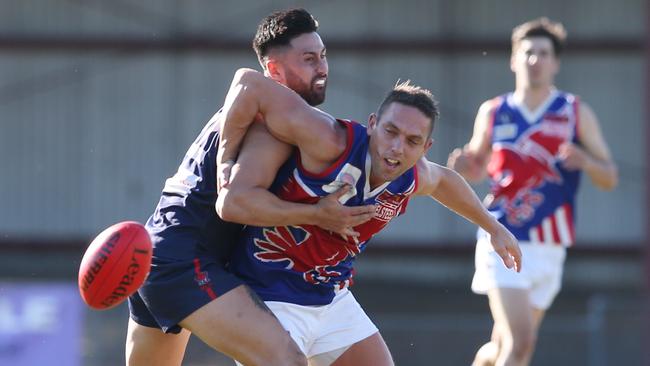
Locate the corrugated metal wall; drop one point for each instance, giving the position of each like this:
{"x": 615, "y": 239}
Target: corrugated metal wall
{"x": 87, "y": 137}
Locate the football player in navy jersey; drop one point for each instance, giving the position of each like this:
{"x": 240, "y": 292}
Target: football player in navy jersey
{"x": 533, "y": 143}
{"x": 189, "y": 289}
{"x": 303, "y": 272}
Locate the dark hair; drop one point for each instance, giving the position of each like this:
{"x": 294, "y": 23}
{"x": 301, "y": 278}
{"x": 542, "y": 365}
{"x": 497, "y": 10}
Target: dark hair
{"x": 541, "y": 27}
{"x": 414, "y": 96}
{"x": 279, "y": 28}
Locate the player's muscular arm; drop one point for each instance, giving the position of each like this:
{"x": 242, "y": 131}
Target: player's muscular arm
{"x": 288, "y": 117}
{"x": 247, "y": 201}
{"x": 450, "y": 189}
{"x": 471, "y": 161}
{"x": 593, "y": 156}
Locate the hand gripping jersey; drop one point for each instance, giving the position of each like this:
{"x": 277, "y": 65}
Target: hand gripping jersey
{"x": 306, "y": 265}
{"x": 532, "y": 194}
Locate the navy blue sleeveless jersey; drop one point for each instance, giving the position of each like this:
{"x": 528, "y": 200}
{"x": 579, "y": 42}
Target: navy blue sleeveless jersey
{"x": 185, "y": 221}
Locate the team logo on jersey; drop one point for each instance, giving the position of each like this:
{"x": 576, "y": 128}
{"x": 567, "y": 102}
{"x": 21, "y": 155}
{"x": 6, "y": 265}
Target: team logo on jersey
{"x": 314, "y": 254}
{"x": 519, "y": 168}
{"x": 202, "y": 279}
{"x": 389, "y": 205}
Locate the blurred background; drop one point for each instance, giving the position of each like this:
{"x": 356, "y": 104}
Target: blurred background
{"x": 99, "y": 101}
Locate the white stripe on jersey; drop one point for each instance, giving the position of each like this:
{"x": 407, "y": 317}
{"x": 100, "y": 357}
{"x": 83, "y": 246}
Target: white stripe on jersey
{"x": 302, "y": 184}
{"x": 534, "y": 237}
{"x": 547, "y": 231}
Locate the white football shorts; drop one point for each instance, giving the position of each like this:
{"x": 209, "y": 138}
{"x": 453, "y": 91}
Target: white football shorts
{"x": 321, "y": 329}
{"x": 541, "y": 271}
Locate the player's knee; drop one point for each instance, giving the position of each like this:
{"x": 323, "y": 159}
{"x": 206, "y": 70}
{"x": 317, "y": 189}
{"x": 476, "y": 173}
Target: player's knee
{"x": 486, "y": 355}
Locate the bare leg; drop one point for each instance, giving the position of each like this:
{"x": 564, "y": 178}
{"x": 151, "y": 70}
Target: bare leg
{"x": 516, "y": 325}
{"x": 538, "y": 316}
{"x": 150, "y": 346}
{"x": 240, "y": 325}
{"x": 488, "y": 353}
{"x": 371, "y": 351}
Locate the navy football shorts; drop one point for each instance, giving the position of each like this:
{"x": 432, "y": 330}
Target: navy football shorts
{"x": 175, "y": 289}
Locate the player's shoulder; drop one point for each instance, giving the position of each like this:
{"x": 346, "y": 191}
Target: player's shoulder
{"x": 488, "y": 107}
{"x": 584, "y": 109}
{"x": 587, "y": 117}
{"x": 352, "y": 129}
{"x": 429, "y": 175}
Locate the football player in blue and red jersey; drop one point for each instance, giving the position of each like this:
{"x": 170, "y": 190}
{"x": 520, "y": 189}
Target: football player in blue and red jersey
{"x": 303, "y": 272}
{"x": 533, "y": 144}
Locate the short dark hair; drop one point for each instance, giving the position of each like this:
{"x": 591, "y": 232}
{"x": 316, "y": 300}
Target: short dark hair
{"x": 541, "y": 27}
{"x": 279, "y": 28}
{"x": 414, "y": 96}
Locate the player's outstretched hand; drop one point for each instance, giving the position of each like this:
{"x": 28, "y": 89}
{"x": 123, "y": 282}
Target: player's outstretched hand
{"x": 456, "y": 159}
{"x": 507, "y": 247}
{"x": 335, "y": 217}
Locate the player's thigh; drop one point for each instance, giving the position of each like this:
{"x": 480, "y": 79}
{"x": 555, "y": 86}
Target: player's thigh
{"x": 538, "y": 317}
{"x": 371, "y": 351}
{"x": 240, "y": 325}
{"x": 151, "y": 346}
{"x": 512, "y": 312}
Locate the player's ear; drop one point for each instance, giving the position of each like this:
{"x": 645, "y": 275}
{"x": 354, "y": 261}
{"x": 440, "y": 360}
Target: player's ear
{"x": 274, "y": 70}
{"x": 372, "y": 122}
{"x": 427, "y": 145}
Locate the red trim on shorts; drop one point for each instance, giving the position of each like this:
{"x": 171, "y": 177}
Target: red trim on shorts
{"x": 201, "y": 276}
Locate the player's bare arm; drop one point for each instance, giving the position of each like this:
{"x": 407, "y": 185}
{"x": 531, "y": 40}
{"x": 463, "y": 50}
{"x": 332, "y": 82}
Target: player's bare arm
{"x": 288, "y": 117}
{"x": 471, "y": 161}
{"x": 593, "y": 156}
{"x": 450, "y": 189}
{"x": 247, "y": 200}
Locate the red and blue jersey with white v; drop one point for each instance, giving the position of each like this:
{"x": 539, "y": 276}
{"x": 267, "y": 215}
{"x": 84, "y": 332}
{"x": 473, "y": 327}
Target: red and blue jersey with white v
{"x": 305, "y": 264}
{"x": 533, "y": 194}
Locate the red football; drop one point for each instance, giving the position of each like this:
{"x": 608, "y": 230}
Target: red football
{"x": 115, "y": 265}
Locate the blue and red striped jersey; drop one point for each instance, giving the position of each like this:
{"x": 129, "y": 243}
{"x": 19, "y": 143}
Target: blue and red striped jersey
{"x": 306, "y": 264}
{"x": 533, "y": 195}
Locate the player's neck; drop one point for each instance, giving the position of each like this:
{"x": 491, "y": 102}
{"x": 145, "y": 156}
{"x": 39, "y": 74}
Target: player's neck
{"x": 533, "y": 97}
{"x": 373, "y": 183}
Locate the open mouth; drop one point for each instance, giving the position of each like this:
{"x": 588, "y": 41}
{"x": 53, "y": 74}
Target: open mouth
{"x": 320, "y": 83}
{"x": 392, "y": 163}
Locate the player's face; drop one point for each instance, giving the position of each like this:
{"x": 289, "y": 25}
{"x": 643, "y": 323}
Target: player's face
{"x": 534, "y": 62}
{"x": 304, "y": 67}
{"x": 397, "y": 141}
